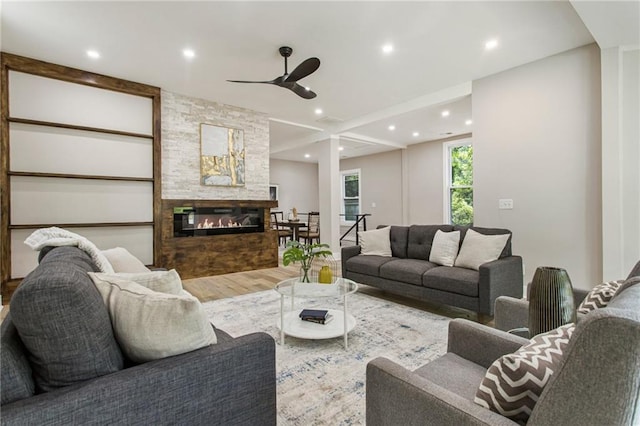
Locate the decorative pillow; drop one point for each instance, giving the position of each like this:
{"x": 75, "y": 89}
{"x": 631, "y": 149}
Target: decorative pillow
{"x": 599, "y": 296}
{"x": 161, "y": 281}
{"x": 444, "y": 248}
{"x": 123, "y": 261}
{"x": 478, "y": 249}
{"x": 514, "y": 382}
{"x": 376, "y": 242}
{"x": 150, "y": 325}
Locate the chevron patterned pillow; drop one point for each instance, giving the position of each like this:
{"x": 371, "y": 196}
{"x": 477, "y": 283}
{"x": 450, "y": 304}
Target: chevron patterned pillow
{"x": 514, "y": 382}
{"x": 599, "y": 296}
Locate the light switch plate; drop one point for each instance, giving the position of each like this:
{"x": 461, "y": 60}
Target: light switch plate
{"x": 505, "y": 204}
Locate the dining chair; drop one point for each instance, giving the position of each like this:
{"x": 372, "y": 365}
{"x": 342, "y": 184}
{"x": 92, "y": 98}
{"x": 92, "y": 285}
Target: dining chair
{"x": 283, "y": 232}
{"x": 312, "y": 232}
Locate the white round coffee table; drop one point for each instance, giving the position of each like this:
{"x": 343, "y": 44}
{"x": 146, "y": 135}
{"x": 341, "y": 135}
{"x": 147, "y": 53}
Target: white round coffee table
{"x": 340, "y": 325}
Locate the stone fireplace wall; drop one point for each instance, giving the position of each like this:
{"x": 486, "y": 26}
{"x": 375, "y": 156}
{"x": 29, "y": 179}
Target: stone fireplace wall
{"x": 215, "y": 254}
{"x": 181, "y": 119}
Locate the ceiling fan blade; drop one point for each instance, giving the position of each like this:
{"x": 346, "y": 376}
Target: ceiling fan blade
{"x": 264, "y": 82}
{"x": 300, "y": 90}
{"x": 307, "y": 67}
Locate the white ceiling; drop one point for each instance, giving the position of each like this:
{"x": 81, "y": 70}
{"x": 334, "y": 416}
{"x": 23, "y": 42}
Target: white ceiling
{"x": 439, "y": 50}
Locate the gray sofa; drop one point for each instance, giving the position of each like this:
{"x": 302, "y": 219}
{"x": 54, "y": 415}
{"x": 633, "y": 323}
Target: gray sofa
{"x": 597, "y": 382}
{"x": 409, "y": 273}
{"x": 61, "y": 364}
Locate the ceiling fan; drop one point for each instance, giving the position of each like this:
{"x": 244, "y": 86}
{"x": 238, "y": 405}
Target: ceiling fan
{"x": 290, "y": 81}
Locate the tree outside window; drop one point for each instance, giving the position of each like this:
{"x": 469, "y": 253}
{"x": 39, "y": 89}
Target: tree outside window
{"x": 350, "y": 195}
{"x": 461, "y": 184}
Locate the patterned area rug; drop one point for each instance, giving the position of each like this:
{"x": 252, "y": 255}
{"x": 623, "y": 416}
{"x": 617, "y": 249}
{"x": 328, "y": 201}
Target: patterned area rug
{"x": 318, "y": 381}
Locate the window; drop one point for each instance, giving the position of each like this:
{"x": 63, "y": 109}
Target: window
{"x": 459, "y": 183}
{"x": 350, "y": 206}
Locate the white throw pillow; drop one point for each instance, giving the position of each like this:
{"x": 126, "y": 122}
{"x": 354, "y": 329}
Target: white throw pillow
{"x": 376, "y": 242}
{"x": 161, "y": 281}
{"x": 444, "y": 248}
{"x": 478, "y": 249}
{"x": 123, "y": 261}
{"x": 149, "y": 325}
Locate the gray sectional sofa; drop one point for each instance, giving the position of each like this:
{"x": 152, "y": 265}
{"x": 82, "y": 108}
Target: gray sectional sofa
{"x": 61, "y": 364}
{"x": 408, "y": 271}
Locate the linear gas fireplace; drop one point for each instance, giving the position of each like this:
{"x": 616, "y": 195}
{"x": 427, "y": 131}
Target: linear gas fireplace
{"x": 205, "y": 221}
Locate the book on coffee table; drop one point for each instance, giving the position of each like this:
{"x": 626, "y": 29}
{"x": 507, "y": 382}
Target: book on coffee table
{"x": 319, "y": 316}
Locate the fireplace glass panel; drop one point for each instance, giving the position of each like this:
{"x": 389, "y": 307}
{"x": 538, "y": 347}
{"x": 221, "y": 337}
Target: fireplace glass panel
{"x": 204, "y": 221}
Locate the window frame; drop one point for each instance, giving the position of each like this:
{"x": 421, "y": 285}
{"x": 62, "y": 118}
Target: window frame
{"x": 343, "y": 174}
{"x": 448, "y": 177}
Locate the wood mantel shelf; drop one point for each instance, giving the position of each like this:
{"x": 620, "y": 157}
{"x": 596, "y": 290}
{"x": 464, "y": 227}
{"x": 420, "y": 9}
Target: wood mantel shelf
{"x": 217, "y": 254}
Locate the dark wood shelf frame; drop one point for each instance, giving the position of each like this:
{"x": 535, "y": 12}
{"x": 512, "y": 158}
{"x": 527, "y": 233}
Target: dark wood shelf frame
{"x": 11, "y": 62}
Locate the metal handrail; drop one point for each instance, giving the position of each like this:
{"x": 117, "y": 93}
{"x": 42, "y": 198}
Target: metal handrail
{"x": 359, "y": 218}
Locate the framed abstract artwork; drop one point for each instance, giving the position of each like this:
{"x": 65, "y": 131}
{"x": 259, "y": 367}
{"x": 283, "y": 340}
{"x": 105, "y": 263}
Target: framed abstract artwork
{"x": 221, "y": 156}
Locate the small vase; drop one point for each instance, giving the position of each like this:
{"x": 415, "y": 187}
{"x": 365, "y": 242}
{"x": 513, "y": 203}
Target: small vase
{"x": 325, "y": 276}
{"x": 304, "y": 275}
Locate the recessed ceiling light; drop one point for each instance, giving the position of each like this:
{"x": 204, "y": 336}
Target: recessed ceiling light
{"x": 307, "y": 88}
{"x": 491, "y": 44}
{"x": 445, "y": 113}
{"x": 93, "y": 54}
{"x": 392, "y": 127}
{"x": 188, "y": 53}
{"x": 307, "y": 155}
{"x": 387, "y": 48}
{"x": 318, "y": 111}
{"x": 416, "y": 134}
{"x": 468, "y": 122}
{"x": 341, "y": 148}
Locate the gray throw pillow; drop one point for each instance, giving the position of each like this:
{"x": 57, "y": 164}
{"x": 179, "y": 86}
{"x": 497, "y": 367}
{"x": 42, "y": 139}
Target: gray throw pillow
{"x": 63, "y": 323}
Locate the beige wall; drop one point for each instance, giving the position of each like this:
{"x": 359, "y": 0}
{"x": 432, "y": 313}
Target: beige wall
{"x": 537, "y": 141}
{"x": 298, "y": 185}
{"x": 381, "y": 183}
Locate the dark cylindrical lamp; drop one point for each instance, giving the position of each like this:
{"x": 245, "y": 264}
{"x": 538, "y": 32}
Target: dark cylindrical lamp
{"x": 551, "y": 301}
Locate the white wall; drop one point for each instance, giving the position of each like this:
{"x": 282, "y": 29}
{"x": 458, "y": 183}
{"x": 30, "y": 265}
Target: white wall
{"x": 537, "y": 141}
{"x": 380, "y": 183}
{"x": 298, "y": 185}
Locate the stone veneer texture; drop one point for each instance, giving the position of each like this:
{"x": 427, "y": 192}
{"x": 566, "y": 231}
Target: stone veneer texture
{"x": 181, "y": 119}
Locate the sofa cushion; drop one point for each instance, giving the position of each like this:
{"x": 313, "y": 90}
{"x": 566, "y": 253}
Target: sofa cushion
{"x": 514, "y": 382}
{"x": 161, "y": 281}
{"x": 599, "y": 296}
{"x": 368, "y": 265}
{"x": 151, "y": 325}
{"x": 399, "y": 236}
{"x": 420, "y": 240}
{"x": 123, "y": 261}
{"x": 375, "y": 242}
{"x": 628, "y": 283}
{"x": 444, "y": 249}
{"x": 17, "y": 382}
{"x": 488, "y": 231}
{"x": 405, "y": 270}
{"x": 452, "y": 279}
{"x": 478, "y": 249}
{"x": 455, "y": 374}
{"x": 63, "y": 322}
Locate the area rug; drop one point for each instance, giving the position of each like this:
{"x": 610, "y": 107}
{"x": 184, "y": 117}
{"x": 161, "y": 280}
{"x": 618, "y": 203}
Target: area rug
{"x": 318, "y": 381}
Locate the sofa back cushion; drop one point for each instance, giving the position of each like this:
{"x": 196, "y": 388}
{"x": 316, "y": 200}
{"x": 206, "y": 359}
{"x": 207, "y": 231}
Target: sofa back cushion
{"x": 16, "y": 379}
{"x": 63, "y": 322}
{"x": 420, "y": 239}
{"x": 487, "y": 231}
{"x": 399, "y": 237}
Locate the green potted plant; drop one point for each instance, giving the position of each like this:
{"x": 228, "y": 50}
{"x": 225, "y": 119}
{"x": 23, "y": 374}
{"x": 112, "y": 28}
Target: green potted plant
{"x": 304, "y": 253}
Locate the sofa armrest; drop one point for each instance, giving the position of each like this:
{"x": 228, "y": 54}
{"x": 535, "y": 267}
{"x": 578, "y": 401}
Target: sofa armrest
{"x": 396, "y": 396}
{"x": 511, "y": 313}
{"x": 233, "y": 382}
{"x": 347, "y": 253}
{"x": 502, "y": 277}
{"x": 480, "y": 344}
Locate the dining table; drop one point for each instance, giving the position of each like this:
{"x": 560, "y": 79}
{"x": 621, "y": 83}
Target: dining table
{"x": 294, "y": 225}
